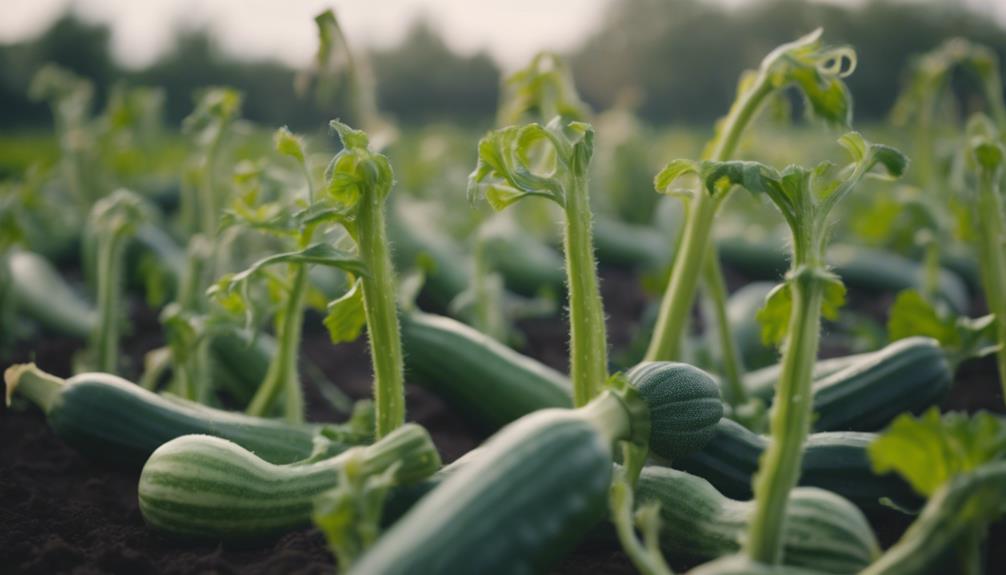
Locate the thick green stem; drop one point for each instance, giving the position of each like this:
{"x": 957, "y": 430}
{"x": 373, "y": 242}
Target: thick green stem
{"x": 106, "y": 339}
{"x": 382, "y": 315}
{"x": 588, "y": 356}
{"x": 39, "y": 387}
{"x": 779, "y": 469}
{"x": 679, "y": 296}
{"x": 283, "y": 373}
{"x": 992, "y": 258}
{"x": 732, "y": 365}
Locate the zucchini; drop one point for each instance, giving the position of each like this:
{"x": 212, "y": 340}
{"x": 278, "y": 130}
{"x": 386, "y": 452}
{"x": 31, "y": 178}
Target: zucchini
{"x": 760, "y": 383}
{"x": 527, "y": 264}
{"x": 864, "y": 392}
{"x": 835, "y": 461}
{"x": 117, "y": 421}
{"x": 631, "y": 245}
{"x": 484, "y": 380}
{"x": 205, "y": 487}
{"x": 510, "y": 508}
{"x": 412, "y": 232}
{"x": 40, "y": 293}
{"x": 859, "y": 267}
{"x": 823, "y": 530}
{"x": 684, "y": 404}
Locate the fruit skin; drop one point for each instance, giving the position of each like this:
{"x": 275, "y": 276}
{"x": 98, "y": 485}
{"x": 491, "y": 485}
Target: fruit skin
{"x": 835, "y": 461}
{"x": 42, "y": 294}
{"x": 867, "y": 391}
{"x": 491, "y": 384}
{"x": 684, "y": 404}
{"x": 823, "y": 531}
{"x": 508, "y": 509}
{"x": 204, "y": 487}
{"x": 116, "y": 421}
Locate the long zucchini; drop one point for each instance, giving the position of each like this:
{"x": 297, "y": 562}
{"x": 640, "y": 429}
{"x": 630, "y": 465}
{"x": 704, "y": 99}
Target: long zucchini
{"x": 198, "y": 486}
{"x": 865, "y": 392}
{"x": 40, "y": 293}
{"x": 486, "y": 381}
{"x": 114, "y": 420}
{"x": 823, "y": 530}
{"x": 835, "y": 461}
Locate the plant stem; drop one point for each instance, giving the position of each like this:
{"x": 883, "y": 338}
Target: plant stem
{"x": 732, "y": 366}
{"x": 992, "y": 258}
{"x": 779, "y": 469}
{"x": 588, "y": 337}
{"x": 106, "y": 339}
{"x": 39, "y": 387}
{"x": 382, "y": 315}
{"x": 283, "y": 371}
{"x": 679, "y": 296}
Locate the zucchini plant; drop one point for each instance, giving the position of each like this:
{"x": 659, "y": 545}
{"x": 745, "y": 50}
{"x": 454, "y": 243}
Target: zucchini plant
{"x": 112, "y": 222}
{"x": 806, "y": 198}
{"x": 505, "y": 175}
{"x": 297, "y": 221}
{"x": 817, "y": 71}
{"x": 988, "y": 158}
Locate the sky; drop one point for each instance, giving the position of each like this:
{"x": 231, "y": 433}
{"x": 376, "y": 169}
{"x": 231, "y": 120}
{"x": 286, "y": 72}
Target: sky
{"x": 510, "y": 30}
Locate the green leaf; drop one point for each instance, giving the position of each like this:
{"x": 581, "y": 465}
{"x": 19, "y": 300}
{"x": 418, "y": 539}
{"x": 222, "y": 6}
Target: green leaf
{"x": 929, "y": 451}
{"x": 774, "y": 315}
{"x": 346, "y": 317}
{"x": 289, "y": 144}
{"x": 357, "y": 170}
{"x": 911, "y": 315}
{"x": 318, "y": 254}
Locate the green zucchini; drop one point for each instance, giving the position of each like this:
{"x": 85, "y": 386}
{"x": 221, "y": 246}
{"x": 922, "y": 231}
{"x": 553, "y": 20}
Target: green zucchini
{"x": 541, "y": 483}
{"x": 111, "y": 419}
{"x": 684, "y": 404}
{"x": 412, "y": 230}
{"x": 631, "y": 245}
{"x": 40, "y": 293}
{"x": 866, "y": 391}
{"x": 526, "y": 264}
{"x": 835, "y": 461}
{"x": 534, "y": 489}
{"x": 205, "y": 487}
{"x": 859, "y": 267}
{"x": 486, "y": 381}
{"x": 823, "y": 530}
{"x": 760, "y": 383}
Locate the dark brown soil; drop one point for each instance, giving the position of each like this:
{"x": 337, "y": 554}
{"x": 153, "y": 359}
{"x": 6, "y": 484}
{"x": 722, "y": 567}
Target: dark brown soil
{"x": 61, "y": 513}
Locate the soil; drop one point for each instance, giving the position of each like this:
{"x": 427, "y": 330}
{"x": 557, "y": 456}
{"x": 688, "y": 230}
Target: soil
{"x": 62, "y": 513}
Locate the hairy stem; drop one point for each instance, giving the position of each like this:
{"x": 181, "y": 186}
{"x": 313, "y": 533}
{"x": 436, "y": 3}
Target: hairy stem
{"x": 588, "y": 336}
{"x": 679, "y": 296}
{"x": 779, "y": 468}
{"x": 382, "y": 316}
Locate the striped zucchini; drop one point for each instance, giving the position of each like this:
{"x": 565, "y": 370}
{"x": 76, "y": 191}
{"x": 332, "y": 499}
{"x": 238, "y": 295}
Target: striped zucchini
{"x": 111, "y": 419}
{"x": 823, "y": 530}
{"x": 485, "y": 381}
{"x": 534, "y": 489}
{"x": 199, "y": 486}
{"x": 865, "y": 392}
{"x": 835, "y": 461}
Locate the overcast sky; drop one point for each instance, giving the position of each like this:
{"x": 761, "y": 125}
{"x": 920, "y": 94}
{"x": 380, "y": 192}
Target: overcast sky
{"x": 511, "y": 30}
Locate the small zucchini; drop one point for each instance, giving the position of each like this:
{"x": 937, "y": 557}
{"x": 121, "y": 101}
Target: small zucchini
{"x": 864, "y": 392}
{"x": 111, "y": 419}
{"x": 835, "y": 461}
{"x": 204, "y": 487}
{"x": 40, "y": 293}
{"x": 486, "y": 381}
{"x": 823, "y": 530}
